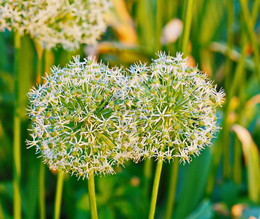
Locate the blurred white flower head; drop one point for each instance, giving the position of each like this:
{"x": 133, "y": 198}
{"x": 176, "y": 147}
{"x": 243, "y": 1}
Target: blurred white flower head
{"x": 51, "y": 23}
{"x": 172, "y": 31}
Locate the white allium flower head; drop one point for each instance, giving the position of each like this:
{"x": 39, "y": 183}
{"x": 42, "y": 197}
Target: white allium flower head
{"x": 176, "y": 116}
{"x": 82, "y": 121}
{"x": 51, "y": 23}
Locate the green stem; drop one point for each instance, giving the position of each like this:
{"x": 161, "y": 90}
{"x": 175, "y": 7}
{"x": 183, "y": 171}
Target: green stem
{"x": 232, "y": 91}
{"x": 172, "y": 8}
{"x": 156, "y": 183}
{"x": 230, "y": 36}
{"x": 172, "y": 189}
{"x": 17, "y": 135}
{"x": 159, "y": 11}
{"x": 144, "y": 10}
{"x": 48, "y": 60}
{"x": 58, "y": 197}
{"x": 40, "y": 53}
{"x": 42, "y": 191}
{"x": 249, "y": 26}
{"x": 92, "y": 196}
{"x": 226, "y": 125}
{"x": 187, "y": 26}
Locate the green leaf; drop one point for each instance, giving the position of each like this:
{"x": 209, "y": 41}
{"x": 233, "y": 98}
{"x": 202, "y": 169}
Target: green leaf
{"x": 252, "y": 160}
{"x": 192, "y": 183}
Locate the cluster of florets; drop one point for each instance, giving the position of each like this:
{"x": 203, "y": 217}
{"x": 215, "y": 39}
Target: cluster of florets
{"x": 178, "y": 113}
{"x": 88, "y": 118}
{"x": 51, "y": 23}
{"x": 82, "y": 118}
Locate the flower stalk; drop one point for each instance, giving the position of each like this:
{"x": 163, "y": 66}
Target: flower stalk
{"x": 58, "y": 196}
{"x": 156, "y": 183}
{"x": 92, "y": 196}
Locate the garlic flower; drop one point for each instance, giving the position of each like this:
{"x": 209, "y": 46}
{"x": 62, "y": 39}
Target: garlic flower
{"x": 177, "y": 113}
{"x": 82, "y": 118}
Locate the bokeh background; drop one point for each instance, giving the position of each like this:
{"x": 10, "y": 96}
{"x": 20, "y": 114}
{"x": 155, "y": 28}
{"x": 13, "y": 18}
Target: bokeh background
{"x": 224, "y": 182}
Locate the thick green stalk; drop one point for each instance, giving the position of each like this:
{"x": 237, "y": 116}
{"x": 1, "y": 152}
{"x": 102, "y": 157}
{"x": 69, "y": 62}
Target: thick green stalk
{"x": 92, "y": 196}
{"x": 187, "y": 26}
{"x": 172, "y": 189}
{"x": 58, "y": 197}
{"x": 156, "y": 183}
{"x": 17, "y": 134}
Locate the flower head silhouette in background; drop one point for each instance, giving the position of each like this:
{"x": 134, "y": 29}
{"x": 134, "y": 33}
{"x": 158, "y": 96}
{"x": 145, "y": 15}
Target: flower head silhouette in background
{"x": 51, "y": 23}
{"x": 81, "y": 118}
{"x": 177, "y": 113}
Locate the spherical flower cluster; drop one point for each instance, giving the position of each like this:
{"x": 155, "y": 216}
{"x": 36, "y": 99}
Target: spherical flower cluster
{"x": 51, "y": 23}
{"x": 86, "y": 118}
{"x": 82, "y": 118}
{"x": 178, "y": 113}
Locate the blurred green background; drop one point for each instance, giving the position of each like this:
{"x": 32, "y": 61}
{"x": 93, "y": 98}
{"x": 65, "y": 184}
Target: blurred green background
{"x": 224, "y": 182}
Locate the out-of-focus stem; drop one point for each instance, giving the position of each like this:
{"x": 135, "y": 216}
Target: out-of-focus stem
{"x": 249, "y": 26}
{"x": 230, "y": 39}
{"x": 226, "y": 147}
{"x": 92, "y": 196}
{"x": 187, "y": 26}
{"x": 234, "y": 86}
{"x": 159, "y": 11}
{"x": 237, "y": 174}
{"x": 17, "y": 134}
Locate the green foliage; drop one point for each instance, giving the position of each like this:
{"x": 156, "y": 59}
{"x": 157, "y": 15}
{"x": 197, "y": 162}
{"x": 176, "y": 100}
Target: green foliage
{"x": 223, "y": 42}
